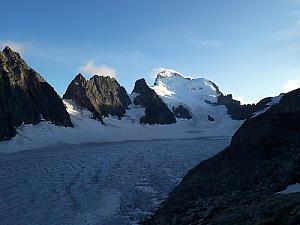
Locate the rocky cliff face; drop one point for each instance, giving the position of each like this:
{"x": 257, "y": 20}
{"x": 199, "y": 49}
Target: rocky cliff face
{"x": 238, "y": 185}
{"x": 182, "y": 112}
{"x": 25, "y": 97}
{"x": 102, "y": 96}
{"x": 156, "y": 111}
{"x": 241, "y": 112}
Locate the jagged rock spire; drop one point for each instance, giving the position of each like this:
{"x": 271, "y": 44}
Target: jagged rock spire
{"x": 101, "y": 95}
{"x": 25, "y": 97}
{"x": 156, "y": 111}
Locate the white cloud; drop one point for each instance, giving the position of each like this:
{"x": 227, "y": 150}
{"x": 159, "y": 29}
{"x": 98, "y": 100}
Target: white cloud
{"x": 291, "y": 85}
{"x": 295, "y": 12}
{"x": 15, "y": 46}
{"x": 289, "y": 36}
{"x": 93, "y": 69}
{"x": 207, "y": 43}
{"x": 292, "y": 32}
{"x": 241, "y": 99}
{"x": 295, "y": 1}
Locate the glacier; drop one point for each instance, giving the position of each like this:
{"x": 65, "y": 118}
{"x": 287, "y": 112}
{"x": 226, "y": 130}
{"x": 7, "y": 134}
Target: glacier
{"x": 104, "y": 184}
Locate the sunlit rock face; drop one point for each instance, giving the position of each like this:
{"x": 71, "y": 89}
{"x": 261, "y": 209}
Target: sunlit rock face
{"x": 103, "y": 96}
{"x": 25, "y": 97}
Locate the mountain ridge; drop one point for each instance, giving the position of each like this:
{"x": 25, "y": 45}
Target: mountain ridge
{"x": 192, "y": 102}
{"x": 25, "y": 97}
{"x": 103, "y": 96}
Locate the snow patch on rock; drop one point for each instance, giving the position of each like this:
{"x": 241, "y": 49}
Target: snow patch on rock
{"x": 291, "y": 189}
{"x": 274, "y": 100}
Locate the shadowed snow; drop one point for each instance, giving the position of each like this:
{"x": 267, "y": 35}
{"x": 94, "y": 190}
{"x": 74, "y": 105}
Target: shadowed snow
{"x": 107, "y": 184}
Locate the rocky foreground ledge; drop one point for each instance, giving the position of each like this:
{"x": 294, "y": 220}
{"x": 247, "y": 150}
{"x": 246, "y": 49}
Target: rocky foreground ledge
{"x": 240, "y": 185}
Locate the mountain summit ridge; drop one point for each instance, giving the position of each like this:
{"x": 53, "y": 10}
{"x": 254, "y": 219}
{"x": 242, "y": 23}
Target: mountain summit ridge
{"x": 103, "y": 96}
{"x": 25, "y": 97}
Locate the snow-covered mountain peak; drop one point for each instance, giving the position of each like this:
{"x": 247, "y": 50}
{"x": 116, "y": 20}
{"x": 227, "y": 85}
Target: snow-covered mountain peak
{"x": 170, "y": 78}
{"x": 172, "y": 84}
{"x": 166, "y": 73}
{"x": 193, "y": 94}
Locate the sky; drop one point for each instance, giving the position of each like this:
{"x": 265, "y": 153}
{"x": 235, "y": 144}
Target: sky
{"x": 248, "y": 48}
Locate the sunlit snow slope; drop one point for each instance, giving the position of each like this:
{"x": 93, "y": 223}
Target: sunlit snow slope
{"x": 197, "y": 95}
{"x": 87, "y": 130}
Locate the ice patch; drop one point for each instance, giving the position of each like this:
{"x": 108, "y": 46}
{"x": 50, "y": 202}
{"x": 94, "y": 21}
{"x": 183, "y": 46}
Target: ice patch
{"x": 274, "y": 100}
{"x": 291, "y": 189}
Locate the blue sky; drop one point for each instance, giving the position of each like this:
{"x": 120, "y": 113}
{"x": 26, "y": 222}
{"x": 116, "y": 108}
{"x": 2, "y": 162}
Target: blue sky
{"x": 248, "y": 48}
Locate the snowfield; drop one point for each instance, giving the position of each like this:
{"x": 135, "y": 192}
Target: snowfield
{"x": 104, "y": 184}
{"x": 87, "y": 130}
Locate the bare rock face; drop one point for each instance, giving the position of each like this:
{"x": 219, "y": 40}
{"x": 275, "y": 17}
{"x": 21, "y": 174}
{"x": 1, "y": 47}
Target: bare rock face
{"x": 156, "y": 111}
{"x": 238, "y": 185}
{"x": 103, "y": 96}
{"x": 241, "y": 112}
{"x": 182, "y": 112}
{"x": 25, "y": 97}
{"x": 210, "y": 118}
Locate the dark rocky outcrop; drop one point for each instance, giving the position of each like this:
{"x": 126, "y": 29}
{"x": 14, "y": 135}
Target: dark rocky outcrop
{"x": 25, "y": 97}
{"x": 239, "y": 185}
{"x": 103, "y": 96}
{"x": 156, "y": 111}
{"x": 241, "y": 112}
{"x": 210, "y": 118}
{"x": 182, "y": 112}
